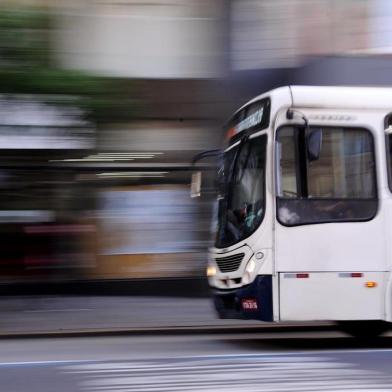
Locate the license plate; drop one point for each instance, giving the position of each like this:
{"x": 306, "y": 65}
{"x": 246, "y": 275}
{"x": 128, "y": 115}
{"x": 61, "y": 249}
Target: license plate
{"x": 249, "y": 304}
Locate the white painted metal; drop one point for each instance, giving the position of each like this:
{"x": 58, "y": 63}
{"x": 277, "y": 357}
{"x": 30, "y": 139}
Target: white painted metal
{"x": 365, "y": 98}
{"x": 327, "y": 296}
{"x": 227, "y": 280}
{"x": 324, "y": 250}
{"x": 338, "y": 246}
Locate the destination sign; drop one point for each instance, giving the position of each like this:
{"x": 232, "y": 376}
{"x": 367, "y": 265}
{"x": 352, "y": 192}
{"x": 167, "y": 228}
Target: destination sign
{"x": 250, "y": 121}
{"x": 251, "y": 118}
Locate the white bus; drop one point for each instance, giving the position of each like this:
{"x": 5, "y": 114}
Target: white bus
{"x": 304, "y": 228}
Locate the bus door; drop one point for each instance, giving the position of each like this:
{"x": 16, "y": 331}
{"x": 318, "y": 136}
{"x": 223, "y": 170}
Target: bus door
{"x": 329, "y": 229}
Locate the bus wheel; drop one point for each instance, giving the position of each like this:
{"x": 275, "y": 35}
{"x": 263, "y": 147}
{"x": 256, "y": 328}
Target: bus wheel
{"x": 364, "y": 329}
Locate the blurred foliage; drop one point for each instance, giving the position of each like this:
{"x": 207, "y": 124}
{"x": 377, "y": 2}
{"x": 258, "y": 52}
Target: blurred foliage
{"x": 27, "y": 67}
{"x": 24, "y": 38}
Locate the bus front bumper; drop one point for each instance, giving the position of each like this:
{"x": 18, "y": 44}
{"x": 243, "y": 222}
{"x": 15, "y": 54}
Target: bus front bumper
{"x": 251, "y": 302}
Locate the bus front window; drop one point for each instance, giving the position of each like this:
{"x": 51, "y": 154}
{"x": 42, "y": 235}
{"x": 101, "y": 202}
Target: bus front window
{"x": 242, "y": 193}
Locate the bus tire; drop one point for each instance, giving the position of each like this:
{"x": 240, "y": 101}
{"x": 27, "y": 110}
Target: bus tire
{"x": 364, "y": 329}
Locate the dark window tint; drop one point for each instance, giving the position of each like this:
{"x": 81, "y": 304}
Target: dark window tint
{"x": 339, "y": 185}
{"x": 242, "y": 196}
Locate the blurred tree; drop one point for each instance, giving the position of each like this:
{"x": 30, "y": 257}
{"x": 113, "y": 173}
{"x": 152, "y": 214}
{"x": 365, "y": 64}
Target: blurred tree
{"x": 27, "y": 67}
{"x": 24, "y": 38}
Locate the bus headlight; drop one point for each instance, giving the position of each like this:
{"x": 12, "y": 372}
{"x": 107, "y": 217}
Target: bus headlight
{"x": 249, "y": 269}
{"x": 251, "y": 266}
{"x": 211, "y": 271}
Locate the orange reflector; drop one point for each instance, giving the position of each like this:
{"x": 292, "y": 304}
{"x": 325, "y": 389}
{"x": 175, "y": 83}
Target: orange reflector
{"x": 371, "y": 284}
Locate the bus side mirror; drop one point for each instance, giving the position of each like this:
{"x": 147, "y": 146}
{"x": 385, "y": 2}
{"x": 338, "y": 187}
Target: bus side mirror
{"x": 196, "y": 184}
{"x": 314, "y": 142}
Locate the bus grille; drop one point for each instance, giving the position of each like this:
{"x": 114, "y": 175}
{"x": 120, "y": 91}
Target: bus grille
{"x": 229, "y": 263}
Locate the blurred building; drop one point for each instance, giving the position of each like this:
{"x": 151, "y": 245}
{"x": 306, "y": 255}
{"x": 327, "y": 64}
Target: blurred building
{"x": 333, "y": 42}
{"x": 281, "y": 33}
{"x": 44, "y": 222}
{"x": 142, "y": 39}
{"x": 180, "y": 67}
{"x": 173, "y": 51}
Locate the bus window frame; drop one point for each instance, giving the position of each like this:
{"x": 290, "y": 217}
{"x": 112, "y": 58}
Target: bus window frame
{"x": 278, "y": 178}
{"x": 387, "y": 124}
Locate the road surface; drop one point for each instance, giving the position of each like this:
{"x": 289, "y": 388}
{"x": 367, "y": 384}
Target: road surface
{"x": 84, "y": 313}
{"x": 274, "y": 362}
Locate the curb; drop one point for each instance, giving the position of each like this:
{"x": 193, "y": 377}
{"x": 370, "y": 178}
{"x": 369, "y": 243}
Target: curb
{"x": 170, "y": 331}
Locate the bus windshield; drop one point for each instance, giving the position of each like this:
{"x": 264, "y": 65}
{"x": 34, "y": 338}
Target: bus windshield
{"x": 242, "y": 191}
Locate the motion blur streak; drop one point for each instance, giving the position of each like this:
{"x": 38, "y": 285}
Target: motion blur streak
{"x": 298, "y": 373}
{"x": 334, "y": 369}
{"x": 103, "y": 105}
{"x": 106, "y": 101}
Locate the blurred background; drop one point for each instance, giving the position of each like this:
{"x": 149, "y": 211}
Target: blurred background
{"x": 103, "y": 104}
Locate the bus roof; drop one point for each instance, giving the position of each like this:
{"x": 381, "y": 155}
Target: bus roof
{"x": 337, "y": 97}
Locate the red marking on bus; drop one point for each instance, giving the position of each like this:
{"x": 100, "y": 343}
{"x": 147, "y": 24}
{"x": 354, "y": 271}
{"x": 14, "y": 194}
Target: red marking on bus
{"x": 249, "y": 304}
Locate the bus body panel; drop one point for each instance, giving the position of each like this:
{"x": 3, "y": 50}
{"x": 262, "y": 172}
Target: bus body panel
{"x": 332, "y": 296}
{"x": 387, "y": 202}
{"x": 323, "y": 250}
{"x": 339, "y": 246}
{"x": 388, "y": 298}
{"x": 328, "y": 247}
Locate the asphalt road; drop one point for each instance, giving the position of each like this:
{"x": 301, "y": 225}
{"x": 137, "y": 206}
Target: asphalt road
{"x": 306, "y": 361}
{"x": 69, "y": 314}
{"x": 83, "y": 313}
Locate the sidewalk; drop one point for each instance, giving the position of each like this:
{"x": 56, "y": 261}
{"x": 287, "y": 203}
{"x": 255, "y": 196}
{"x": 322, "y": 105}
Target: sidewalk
{"x": 67, "y": 315}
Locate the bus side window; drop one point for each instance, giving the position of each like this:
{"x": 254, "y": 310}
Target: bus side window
{"x": 288, "y": 170}
{"x": 339, "y": 186}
